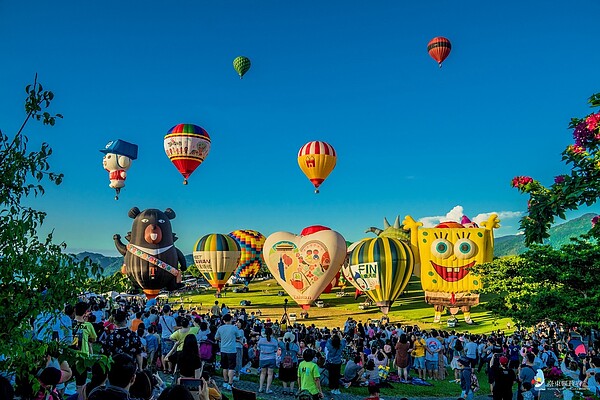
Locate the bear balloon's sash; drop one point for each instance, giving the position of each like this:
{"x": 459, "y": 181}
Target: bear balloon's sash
{"x": 152, "y": 260}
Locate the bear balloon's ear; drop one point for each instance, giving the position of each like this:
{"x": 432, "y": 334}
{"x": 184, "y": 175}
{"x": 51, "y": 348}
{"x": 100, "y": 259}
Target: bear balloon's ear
{"x": 134, "y": 212}
{"x": 170, "y": 213}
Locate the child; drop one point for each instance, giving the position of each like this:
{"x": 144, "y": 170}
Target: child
{"x": 373, "y": 392}
{"x": 308, "y": 375}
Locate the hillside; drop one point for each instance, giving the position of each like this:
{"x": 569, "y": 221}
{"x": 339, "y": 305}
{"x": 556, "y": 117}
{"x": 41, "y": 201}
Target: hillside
{"x": 559, "y": 235}
{"x": 113, "y": 264}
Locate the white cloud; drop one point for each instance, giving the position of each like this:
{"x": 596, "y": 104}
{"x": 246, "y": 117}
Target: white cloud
{"x": 458, "y": 211}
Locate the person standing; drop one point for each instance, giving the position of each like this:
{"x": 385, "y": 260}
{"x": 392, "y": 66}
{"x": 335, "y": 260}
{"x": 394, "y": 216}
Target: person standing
{"x": 288, "y": 368}
{"x": 228, "y": 335}
{"x": 267, "y": 347}
{"x": 168, "y": 327}
{"x": 433, "y": 347}
{"x": 504, "y": 379}
{"x": 471, "y": 350}
{"x": 403, "y": 350}
{"x": 120, "y": 377}
{"x": 309, "y": 377}
{"x": 122, "y": 340}
{"x": 335, "y": 347}
{"x": 216, "y": 310}
{"x": 83, "y": 335}
{"x": 419, "y": 355}
{"x": 465, "y": 378}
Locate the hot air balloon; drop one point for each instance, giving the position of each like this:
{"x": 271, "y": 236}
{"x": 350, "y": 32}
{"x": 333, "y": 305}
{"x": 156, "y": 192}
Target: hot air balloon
{"x": 439, "y": 48}
{"x": 187, "y": 145}
{"x": 151, "y": 259}
{"x": 216, "y": 256}
{"x": 381, "y": 268}
{"x": 317, "y": 159}
{"x": 305, "y": 264}
{"x": 241, "y": 64}
{"x": 118, "y": 155}
{"x": 251, "y": 245}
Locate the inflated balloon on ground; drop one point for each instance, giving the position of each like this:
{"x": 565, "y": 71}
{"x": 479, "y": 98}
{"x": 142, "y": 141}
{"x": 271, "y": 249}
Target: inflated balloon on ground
{"x": 251, "y": 260}
{"x": 216, "y": 256}
{"x": 305, "y": 264}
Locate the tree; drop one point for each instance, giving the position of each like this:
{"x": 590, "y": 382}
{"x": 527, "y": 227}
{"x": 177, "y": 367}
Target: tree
{"x": 569, "y": 191}
{"x": 35, "y": 274}
{"x": 559, "y": 284}
{"x": 562, "y": 285}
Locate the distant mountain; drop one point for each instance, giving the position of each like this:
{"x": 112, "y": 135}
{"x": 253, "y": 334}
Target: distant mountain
{"x": 113, "y": 264}
{"x": 559, "y": 235}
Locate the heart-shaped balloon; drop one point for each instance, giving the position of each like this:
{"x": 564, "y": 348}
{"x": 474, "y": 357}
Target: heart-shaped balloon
{"x": 305, "y": 264}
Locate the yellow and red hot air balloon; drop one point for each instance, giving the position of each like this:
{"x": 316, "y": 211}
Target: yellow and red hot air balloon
{"x": 187, "y": 145}
{"x": 439, "y": 48}
{"x": 317, "y": 159}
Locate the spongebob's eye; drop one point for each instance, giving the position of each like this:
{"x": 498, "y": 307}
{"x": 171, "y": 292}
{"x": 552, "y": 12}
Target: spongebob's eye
{"x": 465, "y": 248}
{"x": 145, "y": 220}
{"x": 161, "y": 221}
{"x": 441, "y": 248}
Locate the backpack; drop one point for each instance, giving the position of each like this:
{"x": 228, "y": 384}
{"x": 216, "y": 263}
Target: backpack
{"x": 206, "y": 350}
{"x": 474, "y": 382}
{"x": 551, "y": 361}
{"x": 77, "y": 343}
{"x": 287, "y": 361}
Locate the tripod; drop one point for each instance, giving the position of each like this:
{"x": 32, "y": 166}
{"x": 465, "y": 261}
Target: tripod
{"x": 285, "y": 319}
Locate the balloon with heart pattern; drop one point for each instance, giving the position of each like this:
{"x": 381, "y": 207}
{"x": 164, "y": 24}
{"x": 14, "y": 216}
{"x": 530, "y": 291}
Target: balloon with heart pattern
{"x": 305, "y": 264}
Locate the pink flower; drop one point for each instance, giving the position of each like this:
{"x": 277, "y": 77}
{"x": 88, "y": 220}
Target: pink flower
{"x": 576, "y": 149}
{"x": 520, "y": 181}
{"x": 595, "y": 220}
{"x": 559, "y": 179}
{"x": 592, "y": 121}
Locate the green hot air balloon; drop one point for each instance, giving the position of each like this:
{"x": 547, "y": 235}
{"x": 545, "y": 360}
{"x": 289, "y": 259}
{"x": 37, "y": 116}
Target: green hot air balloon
{"x": 241, "y": 64}
{"x": 380, "y": 267}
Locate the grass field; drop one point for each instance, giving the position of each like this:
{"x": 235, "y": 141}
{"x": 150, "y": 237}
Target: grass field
{"x": 410, "y": 308}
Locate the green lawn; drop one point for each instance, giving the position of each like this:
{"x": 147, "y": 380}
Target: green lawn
{"x": 410, "y": 308}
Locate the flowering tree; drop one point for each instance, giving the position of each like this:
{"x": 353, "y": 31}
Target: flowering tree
{"x": 569, "y": 191}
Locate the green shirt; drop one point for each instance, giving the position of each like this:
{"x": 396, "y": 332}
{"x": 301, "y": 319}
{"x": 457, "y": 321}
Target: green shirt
{"x": 88, "y": 334}
{"x": 308, "y": 371}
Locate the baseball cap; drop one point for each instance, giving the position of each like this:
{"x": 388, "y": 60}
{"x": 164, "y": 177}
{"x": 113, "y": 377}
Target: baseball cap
{"x": 503, "y": 360}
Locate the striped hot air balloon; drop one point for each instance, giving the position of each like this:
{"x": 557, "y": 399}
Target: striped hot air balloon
{"x": 187, "y": 145}
{"x": 241, "y": 65}
{"x": 216, "y": 256}
{"x": 317, "y": 159}
{"x": 380, "y": 267}
{"x": 251, "y": 245}
{"x": 439, "y": 48}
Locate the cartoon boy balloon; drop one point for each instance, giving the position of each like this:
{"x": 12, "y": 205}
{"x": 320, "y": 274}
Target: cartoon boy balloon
{"x": 445, "y": 256}
{"x": 118, "y": 155}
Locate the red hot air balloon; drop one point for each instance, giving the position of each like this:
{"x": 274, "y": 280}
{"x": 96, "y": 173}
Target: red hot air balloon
{"x": 439, "y": 48}
{"x": 187, "y": 146}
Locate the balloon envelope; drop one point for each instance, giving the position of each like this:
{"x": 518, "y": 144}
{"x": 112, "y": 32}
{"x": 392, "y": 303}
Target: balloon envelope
{"x": 380, "y": 267}
{"x": 317, "y": 159}
{"x": 439, "y": 48}
{"x": 216, "y": 256}
{"x": 186, "y": 145}
{"x": 305, "y": 265}
{"x": 241, "y": 65}
{"x": 251, "y": 245}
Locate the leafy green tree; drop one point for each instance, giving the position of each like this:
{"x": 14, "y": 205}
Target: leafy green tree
{"x": 569, "y": 191}
{"x": 116, "y": 282}
{"x": 36, "y": 275}
{"x": 562, "y": 285}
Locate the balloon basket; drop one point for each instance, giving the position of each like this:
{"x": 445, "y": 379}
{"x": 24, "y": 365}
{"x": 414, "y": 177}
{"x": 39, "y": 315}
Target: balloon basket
{"x": 316, "y": 191}
{"x": 185, "y": 181}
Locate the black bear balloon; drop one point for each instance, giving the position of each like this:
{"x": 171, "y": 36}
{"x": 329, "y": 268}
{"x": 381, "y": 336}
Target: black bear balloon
{"x": 151, "y": 258}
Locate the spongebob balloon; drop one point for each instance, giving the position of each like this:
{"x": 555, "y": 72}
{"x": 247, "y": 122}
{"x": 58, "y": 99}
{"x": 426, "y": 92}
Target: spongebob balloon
{"x": 444, "y": 256}
{"x": 118, "y": 155}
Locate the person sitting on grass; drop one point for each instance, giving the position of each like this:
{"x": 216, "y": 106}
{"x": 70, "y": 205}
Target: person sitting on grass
{"x": 353, "y": 372}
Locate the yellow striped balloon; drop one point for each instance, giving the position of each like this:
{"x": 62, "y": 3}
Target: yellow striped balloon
{"x": 317, "y": 159}
{"x": 216, "y": 256}
{"x": 381, "y": 267}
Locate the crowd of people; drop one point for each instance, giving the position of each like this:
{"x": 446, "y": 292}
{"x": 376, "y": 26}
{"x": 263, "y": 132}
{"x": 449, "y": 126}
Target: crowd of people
{"x": 190, "y": 346}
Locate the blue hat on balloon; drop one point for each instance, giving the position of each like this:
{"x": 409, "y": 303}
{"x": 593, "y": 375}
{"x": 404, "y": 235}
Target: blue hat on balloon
{"x": 122, "y": 148}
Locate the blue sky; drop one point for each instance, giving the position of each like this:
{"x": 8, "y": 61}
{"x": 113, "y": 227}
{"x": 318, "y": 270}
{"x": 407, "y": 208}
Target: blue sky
{"x": 411, "y": 138}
